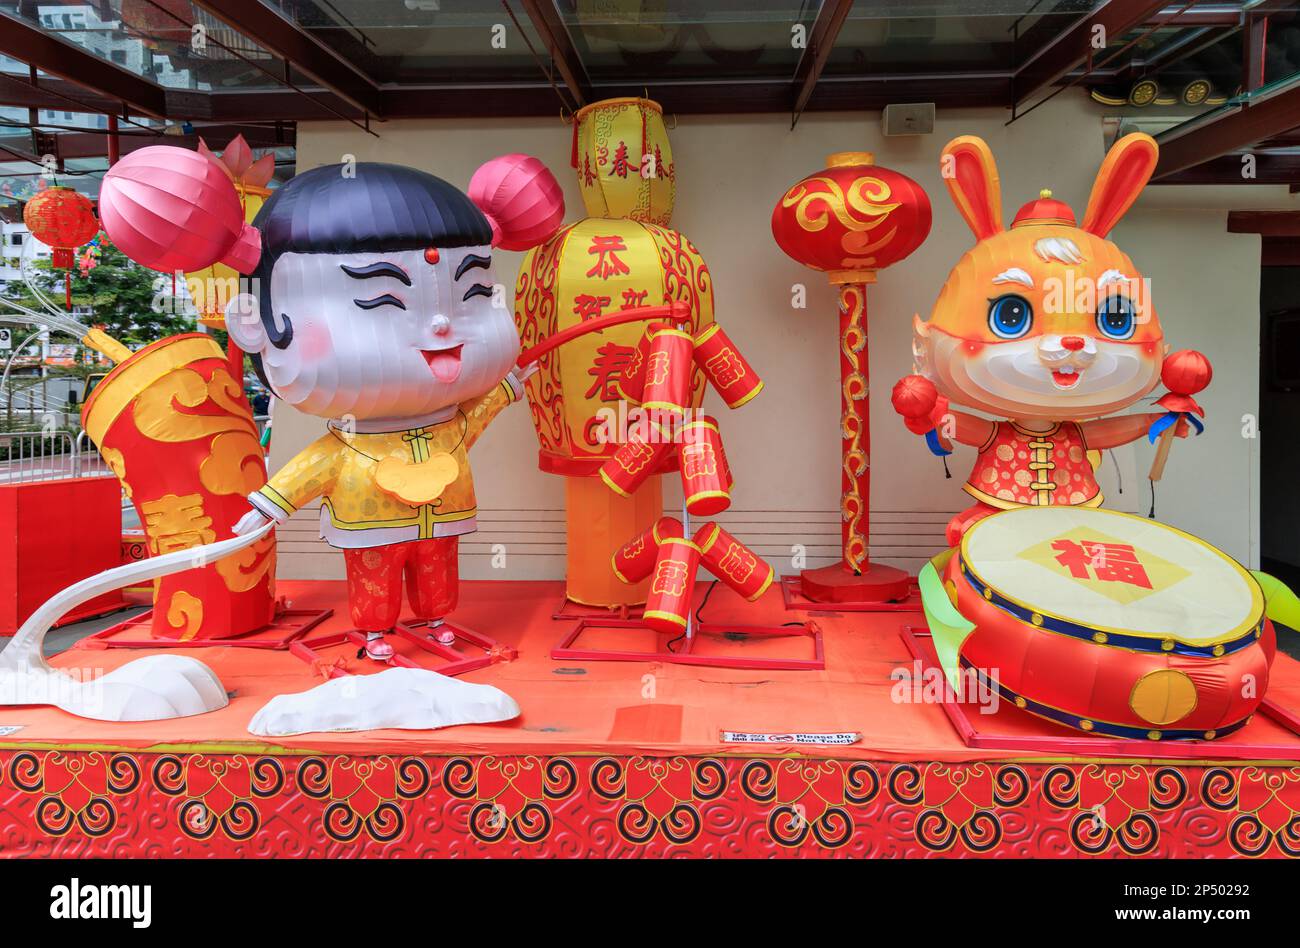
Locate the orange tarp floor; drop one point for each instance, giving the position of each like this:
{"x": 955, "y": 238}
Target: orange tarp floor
{"x": 615, "y": 708}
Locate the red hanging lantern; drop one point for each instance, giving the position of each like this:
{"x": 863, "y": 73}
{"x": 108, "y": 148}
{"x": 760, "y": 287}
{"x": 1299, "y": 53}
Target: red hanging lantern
{"x": 64, "y": 220}
{"x": 851, "y": 219}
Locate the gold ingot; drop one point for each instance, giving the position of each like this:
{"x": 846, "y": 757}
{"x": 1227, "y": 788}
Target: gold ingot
{"x": 1163, "y": 696}
{"x": 1100, "y": 638}
{"x": 1085, "y": 725}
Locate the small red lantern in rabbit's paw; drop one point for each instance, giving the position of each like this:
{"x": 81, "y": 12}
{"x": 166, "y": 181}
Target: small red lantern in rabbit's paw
{"x": 63, "y": 219}
{"x": 1184, "y": 373}
{"x": 851, "y": 219}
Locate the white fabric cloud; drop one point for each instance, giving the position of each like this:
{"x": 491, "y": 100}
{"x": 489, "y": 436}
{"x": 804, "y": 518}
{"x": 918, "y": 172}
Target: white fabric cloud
{"x": 406, "y": 698}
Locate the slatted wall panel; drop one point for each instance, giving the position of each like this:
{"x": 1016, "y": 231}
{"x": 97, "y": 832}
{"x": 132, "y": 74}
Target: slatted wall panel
{"x": 533, "y": 541}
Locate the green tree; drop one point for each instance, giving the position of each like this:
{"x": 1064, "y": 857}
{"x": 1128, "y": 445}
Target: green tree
{"x": 131, "y": 302}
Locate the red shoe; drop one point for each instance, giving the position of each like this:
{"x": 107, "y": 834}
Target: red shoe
{"x": 441, "y": 633}
{"x": 377, "y": 649}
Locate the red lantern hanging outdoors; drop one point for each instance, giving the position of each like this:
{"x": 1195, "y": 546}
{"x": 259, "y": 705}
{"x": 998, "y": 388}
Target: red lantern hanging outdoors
{"x": 850, "y": 220}
{"x": 63, "y": 219}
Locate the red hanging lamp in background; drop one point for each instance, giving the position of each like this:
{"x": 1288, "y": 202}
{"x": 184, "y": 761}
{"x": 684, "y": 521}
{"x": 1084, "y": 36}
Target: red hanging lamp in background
{"x": 850, "y": 220}
{"x": 63, "y": 219}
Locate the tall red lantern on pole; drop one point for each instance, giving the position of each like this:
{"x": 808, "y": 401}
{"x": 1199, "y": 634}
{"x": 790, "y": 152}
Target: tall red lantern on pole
{"x": 850, "y": 220}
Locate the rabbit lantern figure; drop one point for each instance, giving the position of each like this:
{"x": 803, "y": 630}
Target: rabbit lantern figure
{"x": 1047, "y": 326}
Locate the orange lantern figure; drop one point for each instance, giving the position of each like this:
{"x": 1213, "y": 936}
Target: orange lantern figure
{"x": 850, "y": 220}
{"x": 592, "y": 268}
{"x": 63, "y": 219}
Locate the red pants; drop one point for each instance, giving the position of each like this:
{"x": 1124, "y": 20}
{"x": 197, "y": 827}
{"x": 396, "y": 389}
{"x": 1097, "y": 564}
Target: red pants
{"x": 375, "y": 581}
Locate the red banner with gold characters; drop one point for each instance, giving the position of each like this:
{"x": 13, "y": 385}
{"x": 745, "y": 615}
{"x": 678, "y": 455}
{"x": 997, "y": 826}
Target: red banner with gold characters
{"x": 176, "y": 429}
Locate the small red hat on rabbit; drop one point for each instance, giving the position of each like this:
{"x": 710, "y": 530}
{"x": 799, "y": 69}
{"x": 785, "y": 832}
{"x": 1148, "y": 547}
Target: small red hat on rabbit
{"x": 1046, "y": 324}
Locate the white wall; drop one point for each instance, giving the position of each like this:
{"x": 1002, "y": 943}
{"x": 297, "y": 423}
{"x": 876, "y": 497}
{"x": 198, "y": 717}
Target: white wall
{"x": 784, "y": 446}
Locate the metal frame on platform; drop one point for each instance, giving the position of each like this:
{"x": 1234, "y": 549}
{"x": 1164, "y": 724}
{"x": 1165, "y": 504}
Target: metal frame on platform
{"x": 567, "y": 650}
{"x": 289, "y": 625}
{"x": 455, "y": 662}
{"x": 571, "y": 609}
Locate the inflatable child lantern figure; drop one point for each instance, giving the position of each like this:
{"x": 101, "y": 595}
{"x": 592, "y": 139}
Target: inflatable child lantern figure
{"x": 1044, "y": 325}
{"x": 622, "y": 257}
{"x": 372, "y": 307}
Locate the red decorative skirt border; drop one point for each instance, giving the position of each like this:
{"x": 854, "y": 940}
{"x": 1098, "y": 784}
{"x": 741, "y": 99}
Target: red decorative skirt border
{"x": 100, "y": 803}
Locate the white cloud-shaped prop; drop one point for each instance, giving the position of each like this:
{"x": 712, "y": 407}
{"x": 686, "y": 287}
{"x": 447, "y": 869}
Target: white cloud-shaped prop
{"x": 154, "y": 688}
{"x": 411, "y": 699}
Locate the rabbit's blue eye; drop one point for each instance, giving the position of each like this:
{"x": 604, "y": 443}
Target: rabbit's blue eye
{"x": 1115, "y": 319}
{"x": 1010, "y": 316}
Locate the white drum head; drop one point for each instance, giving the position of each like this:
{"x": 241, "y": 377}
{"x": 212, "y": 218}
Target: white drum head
{"x": 1113, "y": 572}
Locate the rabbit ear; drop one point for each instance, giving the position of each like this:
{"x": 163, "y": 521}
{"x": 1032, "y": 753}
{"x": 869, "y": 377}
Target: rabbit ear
{"x": 1122, "y": 177}
{"x": 968, "y": 168}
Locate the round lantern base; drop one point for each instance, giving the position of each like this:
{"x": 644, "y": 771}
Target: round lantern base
{"x": 837, "y": 583}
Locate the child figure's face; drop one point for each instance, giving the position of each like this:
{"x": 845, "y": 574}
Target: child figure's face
{"x": 375, "y": 336}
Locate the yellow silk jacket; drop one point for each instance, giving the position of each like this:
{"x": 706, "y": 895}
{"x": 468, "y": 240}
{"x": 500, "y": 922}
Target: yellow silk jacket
{"x": 341, "y": 467}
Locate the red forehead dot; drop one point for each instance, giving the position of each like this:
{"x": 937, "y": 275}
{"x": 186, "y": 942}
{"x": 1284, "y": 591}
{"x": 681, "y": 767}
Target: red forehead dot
{"x": 431, "y": 255}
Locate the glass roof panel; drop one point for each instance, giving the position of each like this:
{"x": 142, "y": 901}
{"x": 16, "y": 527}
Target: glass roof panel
{"x": 674, "y": 39}
{"x": 169, "y": 42}
{"x": 1171, "y": 76}
{"x": 896, "y": 36}
{"x": 421, "y": 42}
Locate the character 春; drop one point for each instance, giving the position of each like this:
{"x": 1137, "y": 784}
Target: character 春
{"x": 376, "y": 308}
{"x": 1048, "y": 327}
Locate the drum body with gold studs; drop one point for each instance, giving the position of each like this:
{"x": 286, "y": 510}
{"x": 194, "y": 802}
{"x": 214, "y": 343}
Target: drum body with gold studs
{"x": 1113, "y": 624}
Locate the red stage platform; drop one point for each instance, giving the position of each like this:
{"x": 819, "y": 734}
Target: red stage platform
{"x": 628, "y": 758}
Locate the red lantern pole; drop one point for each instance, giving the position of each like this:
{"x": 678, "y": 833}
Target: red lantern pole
{"x": 855, "y": 426}
{"x": 852, "y": 219}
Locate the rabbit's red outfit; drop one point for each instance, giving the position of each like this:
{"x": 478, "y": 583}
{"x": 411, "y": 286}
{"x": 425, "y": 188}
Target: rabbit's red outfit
{"x": 1018, "y": 467}
{"x": 375, "y": 577}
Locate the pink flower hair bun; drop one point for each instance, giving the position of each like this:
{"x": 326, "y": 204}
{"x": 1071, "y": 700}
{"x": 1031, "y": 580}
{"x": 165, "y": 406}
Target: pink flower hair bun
{"x": 521, "y": 200}
{"x": 171, "y": 209}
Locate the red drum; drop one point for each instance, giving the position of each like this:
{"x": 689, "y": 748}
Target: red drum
{"x": 672, "y": 585}
{"x": 732, "y": 562}
{"x": 725, "y": 368}
{"x": 668, "y": 371}
{"x": 634, "y": 561}
{"x": 706, "y": 478}
{"x": 1113, "y": 624}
